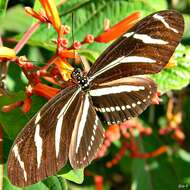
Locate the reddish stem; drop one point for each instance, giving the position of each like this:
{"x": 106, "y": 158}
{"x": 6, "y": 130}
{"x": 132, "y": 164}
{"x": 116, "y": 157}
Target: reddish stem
{"x": 1, "y": 43}
{"x": 12, "y": 106}
{"x": 26, "y": 36}
{"x": 98, "y": 179}
{"x": 119, "y": 155}
{"x": 154, "y": 153}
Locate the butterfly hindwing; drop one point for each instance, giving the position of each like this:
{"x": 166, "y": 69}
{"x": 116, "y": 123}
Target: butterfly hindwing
{"x": 42, "y": 148}
{"x": 145, "y": 49}
{"x": 122, "y": 99}
{"x": 87, "y": 135}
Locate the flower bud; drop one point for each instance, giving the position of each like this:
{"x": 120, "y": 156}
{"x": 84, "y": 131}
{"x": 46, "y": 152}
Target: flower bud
{"x": 76, "y": 45}
{"x": 89, "y": 39}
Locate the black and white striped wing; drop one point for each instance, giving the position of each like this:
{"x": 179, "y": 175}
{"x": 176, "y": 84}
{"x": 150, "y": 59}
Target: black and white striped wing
{"x": 122, "y": 99}
{"x": 145, "y": 49}
{"x": 87, "y": 136}
{"x": 42, "y": 147}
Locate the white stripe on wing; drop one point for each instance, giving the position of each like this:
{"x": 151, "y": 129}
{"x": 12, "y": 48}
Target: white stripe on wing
{"x": 161, "y": 18}
{"x": 17, "y": 156}
{"x": 60, "y": 121}
{"x": 115, "y": 90}
{"x": 149, "y": 40}
{"x": 82, "y": 122}
{"x": 38, "y": 144}
{"x": 120, "y": 60}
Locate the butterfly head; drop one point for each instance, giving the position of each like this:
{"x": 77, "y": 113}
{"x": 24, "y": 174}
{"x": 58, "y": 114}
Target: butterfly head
{"x": 80, "y": 78}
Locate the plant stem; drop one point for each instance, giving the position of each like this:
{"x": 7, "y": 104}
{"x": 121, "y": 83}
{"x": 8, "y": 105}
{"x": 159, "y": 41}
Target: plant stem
{"x": 26, "y": 36}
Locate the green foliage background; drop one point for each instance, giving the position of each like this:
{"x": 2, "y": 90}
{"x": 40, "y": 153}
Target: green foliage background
{"x": 167, "y": 171}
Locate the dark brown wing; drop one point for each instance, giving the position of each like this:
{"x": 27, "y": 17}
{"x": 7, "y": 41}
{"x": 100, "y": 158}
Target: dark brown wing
{"x": 87, "y": 135}
{"x": 122, "y": 99}
{"x": 42, "y": 147}
{"x": 145, "y": 49}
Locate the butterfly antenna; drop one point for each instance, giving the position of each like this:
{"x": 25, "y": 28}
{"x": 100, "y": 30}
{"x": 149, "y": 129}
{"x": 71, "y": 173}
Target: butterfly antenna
{"x": 81, "y": 59}
{"x": 72, "y": 18}
{"x": 73, "y": 27}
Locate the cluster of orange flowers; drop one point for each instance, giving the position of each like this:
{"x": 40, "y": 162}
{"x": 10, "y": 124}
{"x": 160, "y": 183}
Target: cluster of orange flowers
{"x": 60, "y": 68}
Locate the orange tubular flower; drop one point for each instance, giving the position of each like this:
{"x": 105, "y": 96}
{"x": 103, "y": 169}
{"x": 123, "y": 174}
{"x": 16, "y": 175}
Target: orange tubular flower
{"x": 27, "y": 105}
{"x": 52, "y": 13}
{"x": 65, "y": 69}
{"x": 7, "y": 53}
{"x": 98, "y": 182}
{"x": 118, "y": 29}
{"x": 113, "y": 133}
{"x": 69, "y": 54}
{"x": 33, "y": 13}
{"x": 45, "y": 90}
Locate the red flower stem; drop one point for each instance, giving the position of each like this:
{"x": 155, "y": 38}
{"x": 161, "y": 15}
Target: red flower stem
{"x": 125, "y": 145}
{"x": 27, "y": 105}
{"x": 98, "y": 179}
{"x": 26, "y": 36}
{"x": 9, "y": 40}
{"x": 12, "y": 106}
{"x": 1, "y": 43}
{"x": 154, "y": 153}
{"x": 30, "y": 79}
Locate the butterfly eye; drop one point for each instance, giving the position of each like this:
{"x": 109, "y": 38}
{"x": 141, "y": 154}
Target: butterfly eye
{"x": 76, "y": 73}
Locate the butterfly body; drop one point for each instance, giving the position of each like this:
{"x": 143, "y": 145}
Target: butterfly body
{"x": 81, "y": 79}
{"x": 68, "y": 127}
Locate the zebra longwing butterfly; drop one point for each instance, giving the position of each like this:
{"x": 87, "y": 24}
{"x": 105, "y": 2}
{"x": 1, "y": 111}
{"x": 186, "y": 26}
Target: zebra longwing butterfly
{"x": 68, "y": 127}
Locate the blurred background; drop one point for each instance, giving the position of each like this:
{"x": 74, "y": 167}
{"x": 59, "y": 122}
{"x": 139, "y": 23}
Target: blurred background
{"x": 155, "y": 153}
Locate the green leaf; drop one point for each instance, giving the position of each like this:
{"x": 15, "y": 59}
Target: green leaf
{"x": 11, "y": 124}
{"x": 15, "y": 20}
{"x": 51, "y": 183}
{"x": 90, "y": 55}
{"x": 68, "y": 173}
{"x": 186, "y": 35}
{"x": 153, "y": 173}
{"x": 181, "y": 161}
{"x": 89, "y": 17}
{"x": 15, "y": 120}
{"x": 15, "y": 80}
{"x": 3, "y": 7}
{"x": 177, "y": 77}
{"x": 8, "y": 186}
{"x": 55, "y": 183}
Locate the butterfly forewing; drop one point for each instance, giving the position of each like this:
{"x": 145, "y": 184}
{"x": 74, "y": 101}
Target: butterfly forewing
{"x": 122, "y": 99}
{"x": 42, "y": 148}
{"x": 87, "y": 135}
{"x": 145, "y": 49}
